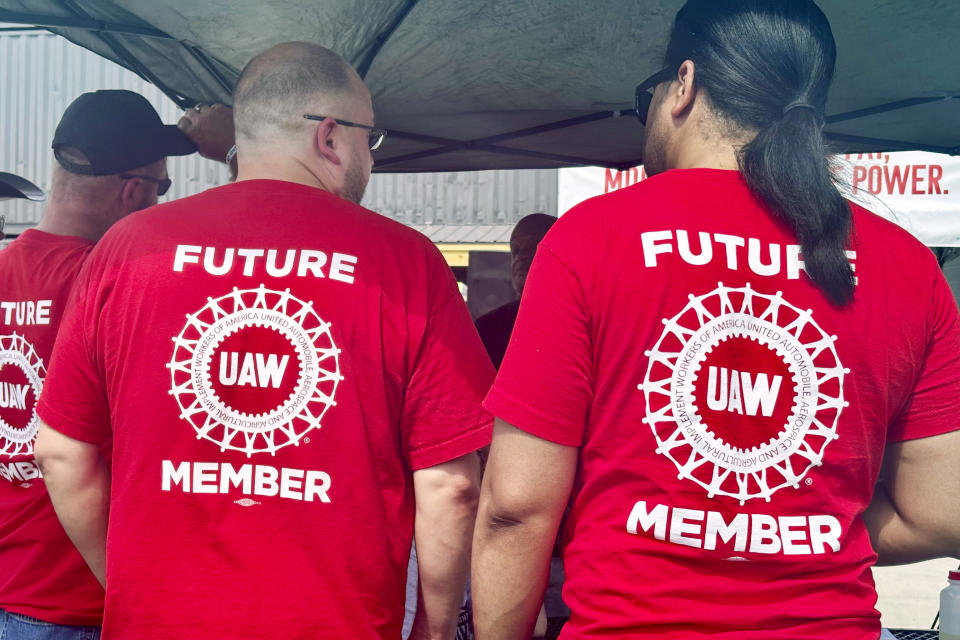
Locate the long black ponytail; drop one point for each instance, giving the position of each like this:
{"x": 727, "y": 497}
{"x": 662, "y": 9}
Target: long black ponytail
{"x": 766, "y": 65}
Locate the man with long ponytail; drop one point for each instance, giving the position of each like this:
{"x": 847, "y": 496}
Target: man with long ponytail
{"x": 745, "y": 385}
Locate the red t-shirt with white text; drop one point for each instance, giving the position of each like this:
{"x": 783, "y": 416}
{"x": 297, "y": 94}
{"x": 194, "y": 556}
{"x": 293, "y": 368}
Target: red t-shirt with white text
{"x": 731, "y": 422}
{"x": 273, "y": 363}
{"x": 41, "y": 573}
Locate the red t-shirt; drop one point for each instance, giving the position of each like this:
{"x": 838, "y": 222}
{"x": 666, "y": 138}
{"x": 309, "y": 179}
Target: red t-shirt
{"x": 731, "y": 422}
{"x": 273, "y": 363}
{"x": 41, "y": 573}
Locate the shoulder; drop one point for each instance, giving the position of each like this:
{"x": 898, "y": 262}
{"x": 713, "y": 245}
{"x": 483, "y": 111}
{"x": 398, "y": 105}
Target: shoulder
{"x": 875, "y": 232}
{"x": 53, "y": 251}
{"x": 589, "y": 226}
{"x": 614, "y": 208}
{"x": 497, "y": 317}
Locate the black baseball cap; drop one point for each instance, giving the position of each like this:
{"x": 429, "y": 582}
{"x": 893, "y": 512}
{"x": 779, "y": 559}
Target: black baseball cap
{"x": 117, "y": 131}
{"x": 12, "y": 186}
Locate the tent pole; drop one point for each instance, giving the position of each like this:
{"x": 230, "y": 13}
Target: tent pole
{"x": 207, "y": 63}
{"x": 61, "y": 22}
{"x": 129, "y": 60}
{"x": 382, "y": 38}
{"x": 889, "y": 145}
{"x": 883, "y": 108}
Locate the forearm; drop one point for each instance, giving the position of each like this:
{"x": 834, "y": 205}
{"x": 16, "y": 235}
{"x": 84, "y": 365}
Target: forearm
{"x": 511, "y": 562}
{"x": 898, "y": 540}
{"x": 443, "y": 530}
{"x": 80, "y": 493}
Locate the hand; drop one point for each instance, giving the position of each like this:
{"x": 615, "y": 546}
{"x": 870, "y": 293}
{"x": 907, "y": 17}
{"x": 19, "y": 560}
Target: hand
{"x": 211, "y": 129}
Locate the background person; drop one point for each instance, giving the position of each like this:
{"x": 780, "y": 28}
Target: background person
{"x": 111, "y": 149}
{"x": 495, "y": 326}
{"x": 287, "y": 409}
{"x": 714, "y": 362}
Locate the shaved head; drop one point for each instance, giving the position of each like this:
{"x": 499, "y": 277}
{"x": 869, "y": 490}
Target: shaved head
{"x": 280, "y": 85}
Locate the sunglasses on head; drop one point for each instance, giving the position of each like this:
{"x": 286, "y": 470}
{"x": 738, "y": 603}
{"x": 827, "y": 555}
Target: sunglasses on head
{"x": 375, "y": 136}
{"x": 163, "y": 184}
{"x": 644, "y": 92}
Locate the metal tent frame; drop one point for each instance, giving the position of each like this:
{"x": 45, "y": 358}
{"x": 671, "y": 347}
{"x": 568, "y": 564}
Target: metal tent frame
{"x": 107, "y": 32}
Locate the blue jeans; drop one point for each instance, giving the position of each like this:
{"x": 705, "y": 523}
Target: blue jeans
{"x": 16, "y": 626}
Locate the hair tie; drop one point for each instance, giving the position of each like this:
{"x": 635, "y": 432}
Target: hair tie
{"x": 799, "y": 104}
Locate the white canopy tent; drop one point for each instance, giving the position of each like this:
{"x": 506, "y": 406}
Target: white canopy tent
{"x": 535, "y": 84}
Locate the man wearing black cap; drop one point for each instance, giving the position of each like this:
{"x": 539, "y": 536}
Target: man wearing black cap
{"x": 111, "y": 148}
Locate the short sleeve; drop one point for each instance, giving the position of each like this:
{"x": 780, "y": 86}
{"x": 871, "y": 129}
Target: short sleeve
{"x": 544, "y": 385}
{"x": 932, "y": 407}
{"x": 73, "y": 400}
{"x": 442, "y": 414}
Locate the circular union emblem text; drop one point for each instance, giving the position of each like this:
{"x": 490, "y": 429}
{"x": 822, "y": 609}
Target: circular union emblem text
{"x": 254, "y": 370}
{"x": 743, "y": 392}
{"x": 21, "y": 380}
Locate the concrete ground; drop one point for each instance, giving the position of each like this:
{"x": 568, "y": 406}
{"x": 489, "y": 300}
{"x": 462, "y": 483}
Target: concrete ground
{"x": 909, "y": 596}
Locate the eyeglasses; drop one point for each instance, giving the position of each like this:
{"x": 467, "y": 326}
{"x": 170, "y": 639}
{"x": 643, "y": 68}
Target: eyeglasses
{"x": 163, "y": 184}
{"x": 374, "y": 136}
{"x": 644, "y": 95}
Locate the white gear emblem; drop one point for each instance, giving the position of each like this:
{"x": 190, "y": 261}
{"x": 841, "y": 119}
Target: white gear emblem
{"x": 296, "y": 386}
{"x": 735, "y": 321}
{"x": 24, "y": 363}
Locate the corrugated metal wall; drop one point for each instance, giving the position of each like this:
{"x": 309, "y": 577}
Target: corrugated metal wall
{"x": 477, "y": 197}
{"x": 40, "y": 74}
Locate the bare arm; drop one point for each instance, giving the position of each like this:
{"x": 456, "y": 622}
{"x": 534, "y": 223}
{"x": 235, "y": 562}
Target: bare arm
{"x": 78, "y": 482}
{"x": 446, "y": 497}
{"x": 913, "y": 515}
{"x": 526, "y": 487}
{"x": 210, "y": 127}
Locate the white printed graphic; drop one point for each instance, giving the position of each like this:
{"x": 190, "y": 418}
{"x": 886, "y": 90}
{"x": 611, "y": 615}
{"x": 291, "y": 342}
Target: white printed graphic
{"x": 743, "y": 392}
{"x": 255, "y": 370}
{"x": 21, "y": 380}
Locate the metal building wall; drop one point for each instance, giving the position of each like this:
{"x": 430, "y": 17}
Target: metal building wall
{"x": 40, "y": 74}
{"x": 464, "y": 207}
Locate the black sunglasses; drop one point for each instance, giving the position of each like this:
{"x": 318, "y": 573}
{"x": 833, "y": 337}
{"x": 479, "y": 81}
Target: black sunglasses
{"x": 163, "y": 184}
{"x": 644, "y": 94}
{"x": 375, "y": 136}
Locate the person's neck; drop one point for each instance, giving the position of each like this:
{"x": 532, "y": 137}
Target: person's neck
{"x": 701, "y": 149}
{"x": 285, "y": 169}
{"x": 62, "y": 219}
{"x": 707, "y": 157}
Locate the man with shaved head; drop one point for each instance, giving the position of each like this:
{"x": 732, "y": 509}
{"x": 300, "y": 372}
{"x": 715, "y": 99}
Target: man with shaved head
{"x": 289, "y": 386}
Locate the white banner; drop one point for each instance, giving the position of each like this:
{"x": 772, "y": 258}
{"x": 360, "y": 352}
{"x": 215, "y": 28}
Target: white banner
{"x": 917, "y": 190}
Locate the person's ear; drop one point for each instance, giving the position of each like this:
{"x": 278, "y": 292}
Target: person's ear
{"x": 683, "y": 90}
{"x": 132, "y": 192}
{"x": 326, "y": 142}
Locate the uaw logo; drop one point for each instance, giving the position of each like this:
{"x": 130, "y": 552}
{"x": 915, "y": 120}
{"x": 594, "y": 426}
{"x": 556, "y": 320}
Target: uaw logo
{"x": 21, "y": 380}
{"x": 743, "y": 392}
{"x": 254, "y": 370}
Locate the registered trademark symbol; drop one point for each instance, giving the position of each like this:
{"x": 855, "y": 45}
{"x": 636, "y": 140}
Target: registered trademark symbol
{"x": 306, "y": 440}
{"x": 808, "y": 481}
